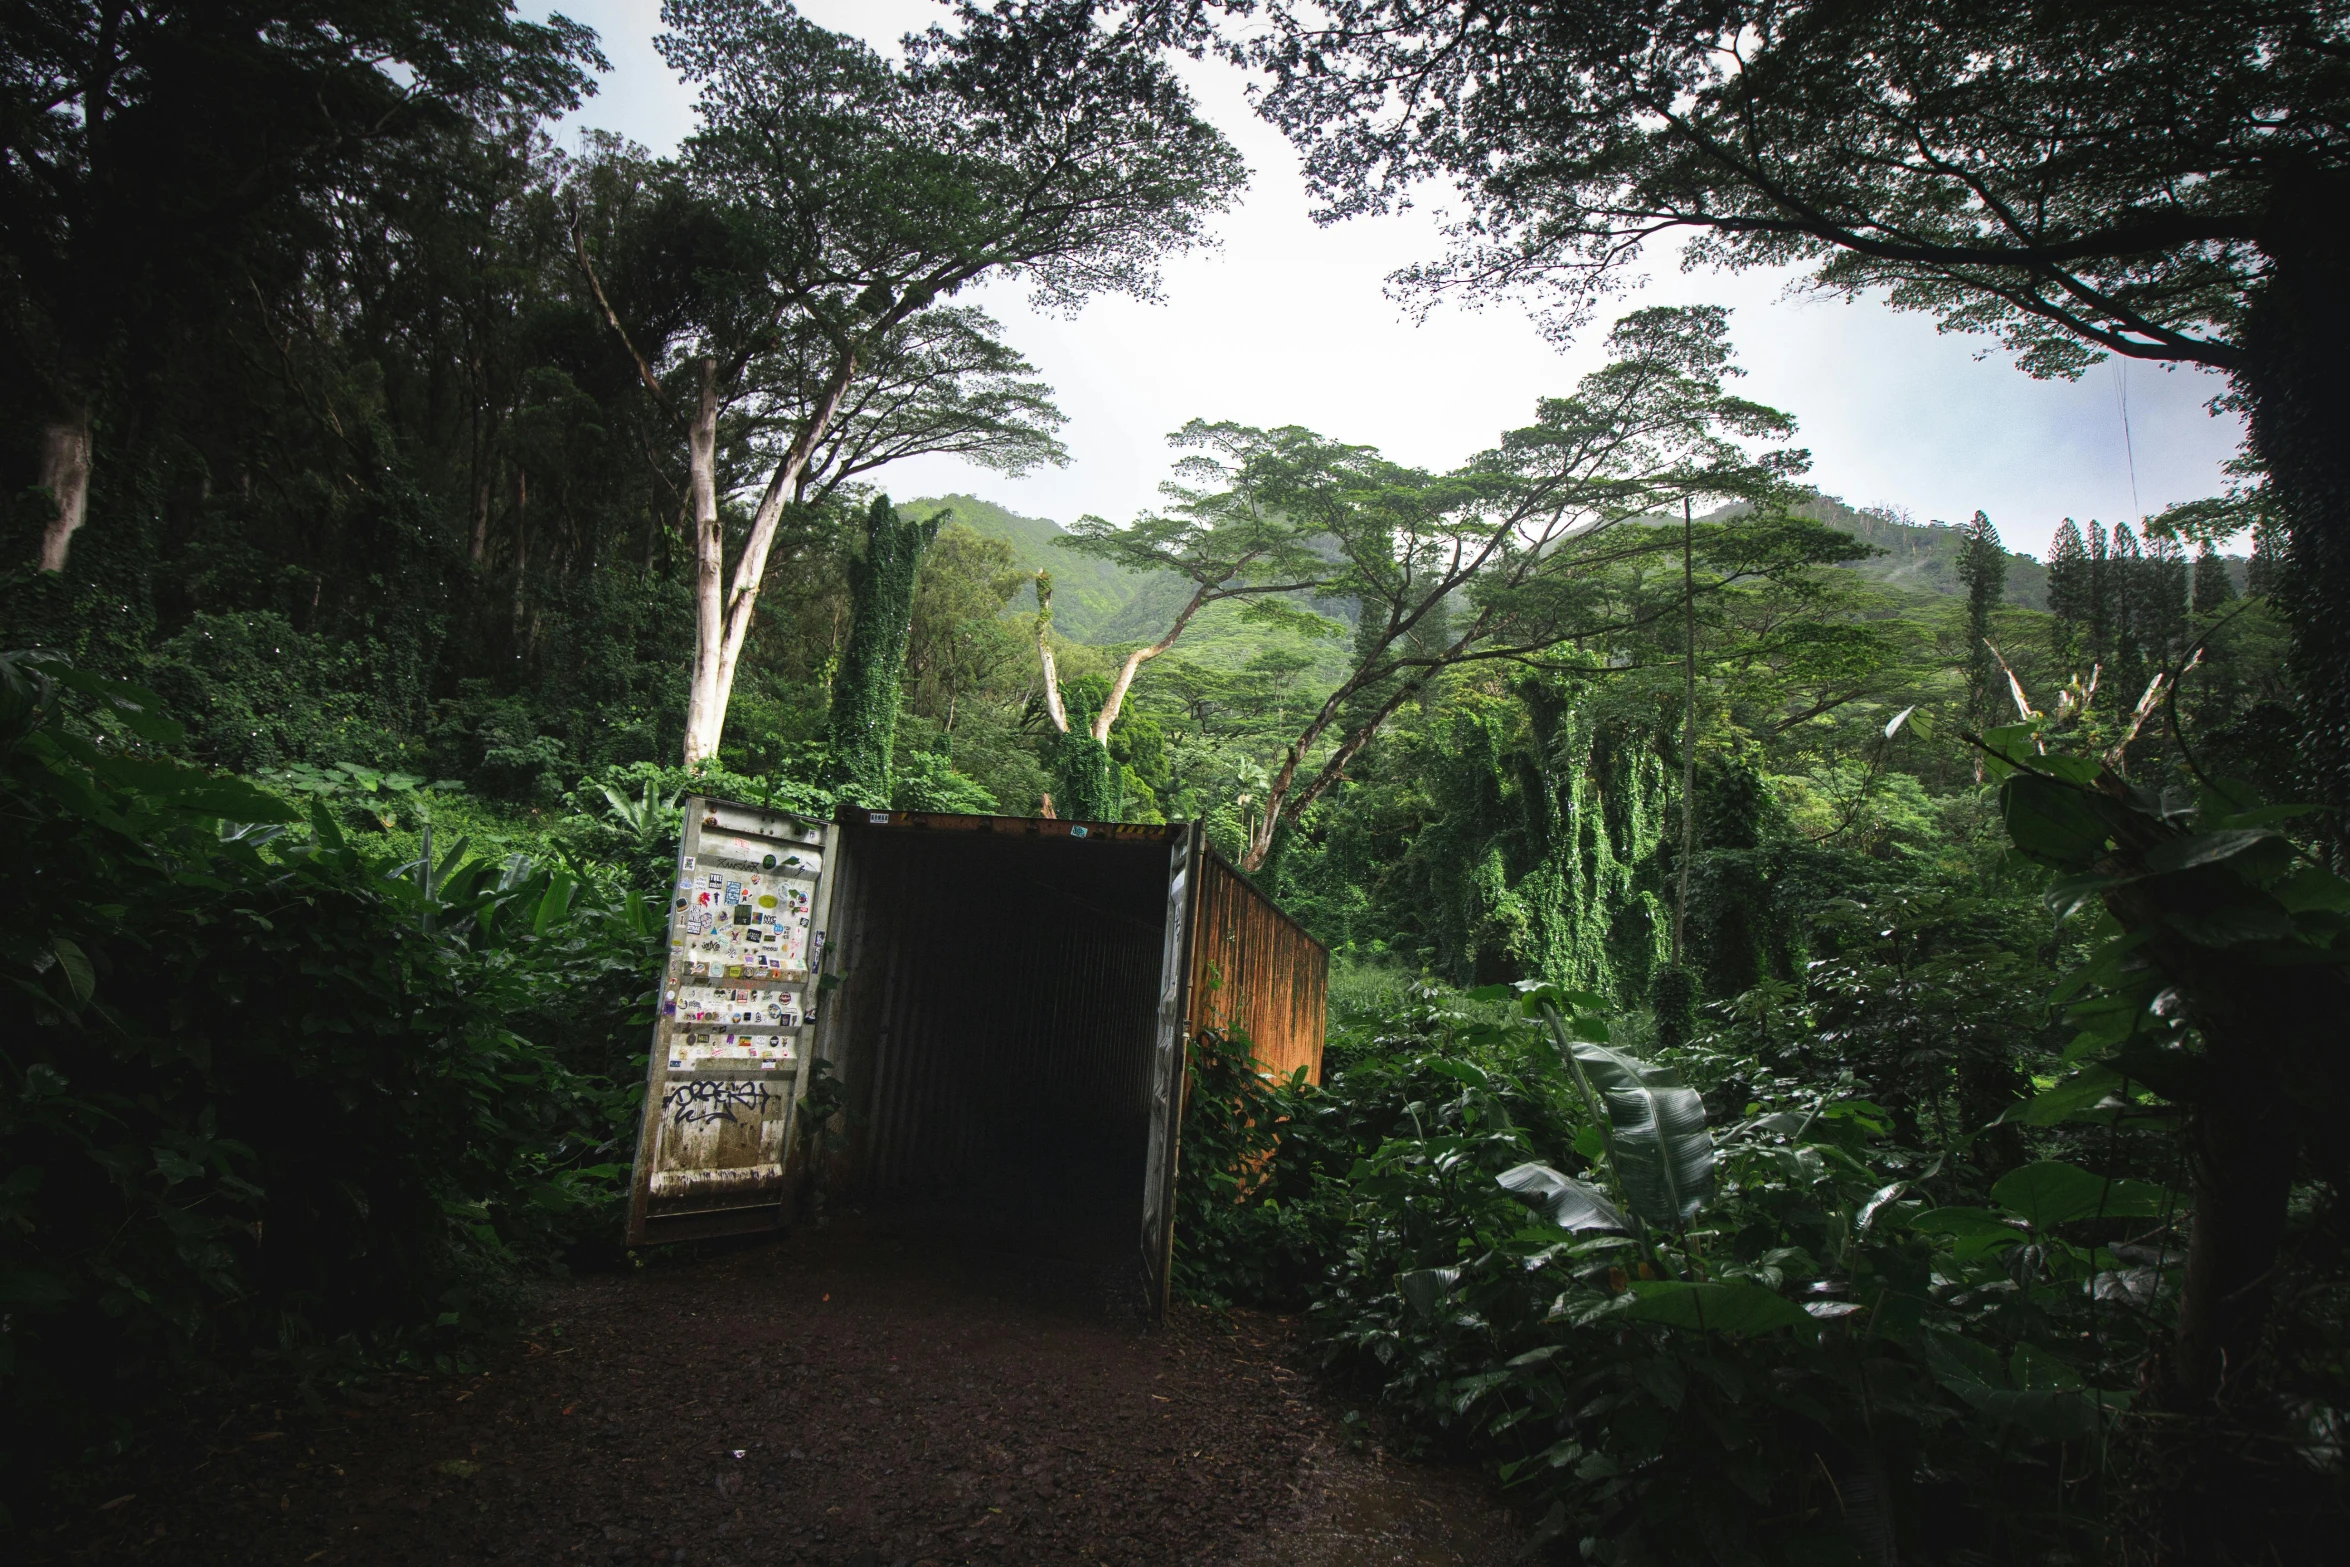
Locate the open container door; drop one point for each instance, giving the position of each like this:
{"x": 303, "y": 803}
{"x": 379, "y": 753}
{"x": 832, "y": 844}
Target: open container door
{"x": 1167, "y": 1069}
{"x": 747, "y": 913}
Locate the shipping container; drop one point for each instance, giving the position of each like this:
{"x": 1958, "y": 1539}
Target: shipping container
{"x": 999, "y": 1005}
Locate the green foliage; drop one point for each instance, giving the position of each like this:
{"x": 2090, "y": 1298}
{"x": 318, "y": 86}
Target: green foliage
{"x": 929, "y": 782}
{"x": 265, "y": 1090}
{"x": 1230, "y": 1239}
{"x": 1802, "y": 1359}
{"x": 865, "y": 694}
{"x": 1672, "y": 998}
{"x": 1085, "y": 782}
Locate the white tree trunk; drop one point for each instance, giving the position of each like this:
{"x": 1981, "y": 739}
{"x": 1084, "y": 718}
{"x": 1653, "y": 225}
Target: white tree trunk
{"x": 750, "y": 573}
{"x": 705, "y": 710}
{"x": 65, "y": 473}
{"x": 1133, "y": 665}
{"x": 1044, "y": 656}
{"x": 722, "y": 613}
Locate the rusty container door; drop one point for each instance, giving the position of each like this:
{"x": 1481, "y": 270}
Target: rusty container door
{"x": 1167, "y": 1067}
{"x": 746, "y": 931}
{"x": 1253, "y": 968}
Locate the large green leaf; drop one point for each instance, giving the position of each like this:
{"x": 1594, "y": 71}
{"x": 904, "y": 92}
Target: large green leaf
{"x": 2052, "y": 1192}
{"x": 2054, "y": 822}
{"x": 1657, "y": 1138}
{"x": 1424, "y": 1289}
{"x": 1974, "y": 1232}
{"x": 1566, "y": 1202}
{"x": 1964, "y": 1221}
{"x": 2209, "y": 848}
{"x": 2034, "y": 1392}
{"x": 2085, "y": 1091}
{"x": 80, "y": 977}
{"x": 1730, "y": 1306}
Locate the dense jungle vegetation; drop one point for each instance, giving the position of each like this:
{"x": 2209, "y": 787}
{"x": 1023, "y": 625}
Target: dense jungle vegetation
{"x": 1837, "y": 1029}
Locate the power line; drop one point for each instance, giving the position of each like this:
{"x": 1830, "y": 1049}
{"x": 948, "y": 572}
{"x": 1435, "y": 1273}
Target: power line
{"x": 2121, "y": 377}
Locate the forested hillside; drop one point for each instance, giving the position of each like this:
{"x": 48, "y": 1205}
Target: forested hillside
{"x": 1832, "y": 1041}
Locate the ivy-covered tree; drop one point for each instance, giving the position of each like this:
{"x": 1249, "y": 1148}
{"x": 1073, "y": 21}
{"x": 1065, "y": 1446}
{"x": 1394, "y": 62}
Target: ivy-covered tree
{"x": 863, "y": 725}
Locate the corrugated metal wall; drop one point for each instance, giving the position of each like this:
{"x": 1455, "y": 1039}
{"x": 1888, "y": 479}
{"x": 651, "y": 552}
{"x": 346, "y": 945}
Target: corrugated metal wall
{"x": 1253, "y": 965}
{"x": 1000, "y": 1002}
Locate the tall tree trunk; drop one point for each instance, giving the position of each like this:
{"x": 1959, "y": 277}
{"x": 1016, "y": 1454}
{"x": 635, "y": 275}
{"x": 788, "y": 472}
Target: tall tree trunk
{"x": 705, "y": 708}
{"x": 1688, "y": 729}
{"x": 1053, "y": 707}
{"x": 65, "y": 474}
{"x": 2295, "y": 345}
{"x": 1077, "y": 759}
{"x": 521, "y": 542}
{"x": 2264, "y": 1095}
{"x": 724, "y": 611}
{"x": 481, "y": 518}
{"x": 484, "y": 482}
{"x": 1284, "y": 800}
{"x": 1107, "y": 718}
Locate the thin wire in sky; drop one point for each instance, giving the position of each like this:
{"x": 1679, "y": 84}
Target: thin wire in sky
{"x": 2121, "y": 368}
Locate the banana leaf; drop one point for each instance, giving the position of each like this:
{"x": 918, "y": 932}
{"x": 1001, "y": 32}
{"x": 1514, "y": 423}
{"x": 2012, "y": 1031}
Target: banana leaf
{"x": 1657, "y": 1138}
{"x": 1568, "y": 1203}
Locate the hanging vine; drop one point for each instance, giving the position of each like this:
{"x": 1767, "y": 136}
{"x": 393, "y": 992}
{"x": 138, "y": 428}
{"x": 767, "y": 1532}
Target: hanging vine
{"x": 864, "y": 719}
{"x": 1545, "y": 857}
{"x": 1602, "y": 922}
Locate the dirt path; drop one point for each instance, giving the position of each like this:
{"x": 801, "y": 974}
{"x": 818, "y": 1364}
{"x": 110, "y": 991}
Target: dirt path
{"x": 830, "y": 1399}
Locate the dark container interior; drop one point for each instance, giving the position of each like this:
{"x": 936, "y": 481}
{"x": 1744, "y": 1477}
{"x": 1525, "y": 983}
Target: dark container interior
{"x": 999, "y": 1008}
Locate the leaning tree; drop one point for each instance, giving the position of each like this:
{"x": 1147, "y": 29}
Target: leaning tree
{"x": 842, "y": 196}
{"x": 1508, "y": 559}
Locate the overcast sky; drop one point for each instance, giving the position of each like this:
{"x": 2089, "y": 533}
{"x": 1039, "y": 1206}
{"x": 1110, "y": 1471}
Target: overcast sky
{"x": 1287, "y": 323}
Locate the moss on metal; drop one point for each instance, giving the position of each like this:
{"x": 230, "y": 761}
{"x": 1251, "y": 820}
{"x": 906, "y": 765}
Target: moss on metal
{"x": 864, "y": 717}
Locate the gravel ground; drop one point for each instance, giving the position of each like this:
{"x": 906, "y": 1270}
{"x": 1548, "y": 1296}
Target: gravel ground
{"x": 836, "y": 1397}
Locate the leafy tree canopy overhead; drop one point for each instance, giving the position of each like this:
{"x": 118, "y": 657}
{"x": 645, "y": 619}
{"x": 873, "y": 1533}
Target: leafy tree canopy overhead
{"x": 2075, "y": 177}
{"x": 869, "y": 190}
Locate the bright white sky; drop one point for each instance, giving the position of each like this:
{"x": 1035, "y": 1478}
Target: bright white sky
{"x": 1288, "y": 323}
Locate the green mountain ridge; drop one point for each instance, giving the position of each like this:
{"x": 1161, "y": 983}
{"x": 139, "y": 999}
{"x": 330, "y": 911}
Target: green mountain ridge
{"x": 1107, "y": 606}
{"x": 1102, "y": 604}
{"x": 1092, "y": 600}
{"x": 1919, "y": 557}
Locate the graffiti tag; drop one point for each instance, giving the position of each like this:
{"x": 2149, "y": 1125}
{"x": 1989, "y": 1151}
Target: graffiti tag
{"x": 705, "y": 1099}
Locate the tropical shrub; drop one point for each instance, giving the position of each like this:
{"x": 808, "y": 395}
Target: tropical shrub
{"x": 1782, "y": 1337}
{"x": 260, "y": 1089}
